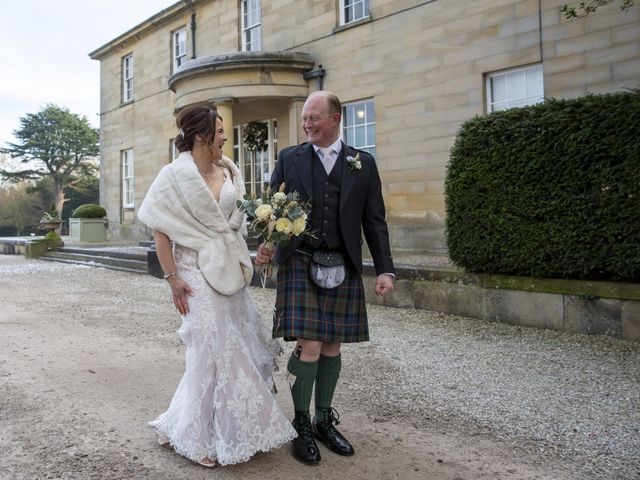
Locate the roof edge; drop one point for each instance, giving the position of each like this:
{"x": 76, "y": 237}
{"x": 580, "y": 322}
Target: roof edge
{"x": 143, "y": 27}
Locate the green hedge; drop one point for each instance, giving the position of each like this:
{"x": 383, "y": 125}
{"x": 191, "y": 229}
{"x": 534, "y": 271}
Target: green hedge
{"x": 551, "y": 190}
{"x": 89, "y": 210}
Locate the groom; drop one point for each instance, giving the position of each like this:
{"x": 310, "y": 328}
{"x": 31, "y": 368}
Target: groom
{"x": 344, "y": 188}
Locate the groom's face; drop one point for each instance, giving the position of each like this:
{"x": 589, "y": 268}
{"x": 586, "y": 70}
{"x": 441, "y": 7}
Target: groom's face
{"x": 320, "y": 125}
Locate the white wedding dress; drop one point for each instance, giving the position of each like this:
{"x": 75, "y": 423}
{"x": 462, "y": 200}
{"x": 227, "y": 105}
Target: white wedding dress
{"x": 223, "y": 408}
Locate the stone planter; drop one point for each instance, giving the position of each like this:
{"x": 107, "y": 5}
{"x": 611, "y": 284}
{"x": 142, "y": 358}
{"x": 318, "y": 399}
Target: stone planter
{"x": 88, "y": 229}
{"x": 51, "y": 225}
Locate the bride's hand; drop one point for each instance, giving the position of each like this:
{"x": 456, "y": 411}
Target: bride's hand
{"x": 180, "y": 291}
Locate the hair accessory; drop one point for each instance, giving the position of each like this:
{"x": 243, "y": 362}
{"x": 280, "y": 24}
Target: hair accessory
{"x": 181, "y": 132}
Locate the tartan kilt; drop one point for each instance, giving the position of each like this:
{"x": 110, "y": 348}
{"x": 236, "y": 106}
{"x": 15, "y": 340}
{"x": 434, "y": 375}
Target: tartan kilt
{"x": 306, "y": 311}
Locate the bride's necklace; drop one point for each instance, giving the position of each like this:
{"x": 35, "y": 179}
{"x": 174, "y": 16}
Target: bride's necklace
{"x": 210, "y": 175}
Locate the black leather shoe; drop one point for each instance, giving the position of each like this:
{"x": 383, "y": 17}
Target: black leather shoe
{"x": 305, "y": 447}
{"x": 328, "y": 434}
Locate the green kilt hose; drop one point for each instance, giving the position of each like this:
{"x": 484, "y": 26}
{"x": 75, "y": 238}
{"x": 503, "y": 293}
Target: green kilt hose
{"x": 306, "y": 311}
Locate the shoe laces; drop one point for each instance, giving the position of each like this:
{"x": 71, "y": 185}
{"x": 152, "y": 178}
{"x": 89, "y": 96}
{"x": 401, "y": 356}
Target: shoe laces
{"x": 331, "y": 416}
{"x": 302, "y": 424}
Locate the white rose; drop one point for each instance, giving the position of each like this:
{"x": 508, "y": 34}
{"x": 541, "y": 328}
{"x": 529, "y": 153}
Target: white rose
{"x": 299, "y": 224}
{"x": 263, "y": 212}
{"x": 284, "y": 225}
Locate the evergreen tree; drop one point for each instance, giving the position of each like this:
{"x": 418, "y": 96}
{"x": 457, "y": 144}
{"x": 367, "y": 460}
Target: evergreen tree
{"x": 57, "y": 144}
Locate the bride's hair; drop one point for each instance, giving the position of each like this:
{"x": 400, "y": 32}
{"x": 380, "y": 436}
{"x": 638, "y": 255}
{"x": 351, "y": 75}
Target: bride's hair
{"x": 192, "y": 121}
{"x": 197, "y": 120}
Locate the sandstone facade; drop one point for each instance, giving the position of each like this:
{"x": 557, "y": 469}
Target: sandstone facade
{"x": 423, "y": 64}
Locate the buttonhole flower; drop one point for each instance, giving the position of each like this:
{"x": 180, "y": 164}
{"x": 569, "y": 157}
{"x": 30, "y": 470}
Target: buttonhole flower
{"x": 354, "y": 162}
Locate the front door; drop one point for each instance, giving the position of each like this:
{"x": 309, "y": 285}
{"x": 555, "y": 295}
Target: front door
{"x": 255, "y": 149}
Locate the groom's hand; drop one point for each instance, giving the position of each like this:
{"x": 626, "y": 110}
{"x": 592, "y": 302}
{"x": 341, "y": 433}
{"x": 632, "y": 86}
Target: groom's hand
{"x": 384, "y": 284}
{"x": 263, "y": 255}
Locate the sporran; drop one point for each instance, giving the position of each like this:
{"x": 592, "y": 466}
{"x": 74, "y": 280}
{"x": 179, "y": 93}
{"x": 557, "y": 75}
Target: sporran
{"x": 327, "y": 269}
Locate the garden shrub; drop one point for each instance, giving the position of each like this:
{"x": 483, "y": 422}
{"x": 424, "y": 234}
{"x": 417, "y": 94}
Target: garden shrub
{"x": 550, "y": 190}
{"x": 89, "y": 210}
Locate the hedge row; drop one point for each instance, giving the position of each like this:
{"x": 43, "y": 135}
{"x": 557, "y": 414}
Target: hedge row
{"x": 550, "y": 190}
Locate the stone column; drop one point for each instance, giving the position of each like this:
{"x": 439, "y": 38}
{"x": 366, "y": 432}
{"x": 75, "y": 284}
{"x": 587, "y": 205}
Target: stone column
{"x": 225, "y": 110}
{"x": 296, "y": 133}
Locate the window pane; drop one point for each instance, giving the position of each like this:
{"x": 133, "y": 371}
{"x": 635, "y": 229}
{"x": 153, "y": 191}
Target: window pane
{"x": 499, "y": 106}
{"x": 127, "y": 78}
{"x": 179, "y": 48}
{"x": 535, "y": 82}
{"x": 251, "y": 28}
{"x": 370, "y": 111}
{"x": 516, "y": 88}
{"x": 520, "y": 102}
{"x": 350, "y": 136}
{"x": 516, "y": 84}
{"x": 348, "y": 115}
{"x": 360, "y": 114}
{"x": 499, "y": 88}
{"x": 360, "y": 137}
{"x": 355, "y": 10}
{"x": 257, "y": 39}
{"x": 359, "y": 128}
{"x": 128, "y": 182}
{"x": 348, "y": 15}
{"x": 359, "y": 11}
{"x": 258, "y": 168}
{"x": 371, "y": 135}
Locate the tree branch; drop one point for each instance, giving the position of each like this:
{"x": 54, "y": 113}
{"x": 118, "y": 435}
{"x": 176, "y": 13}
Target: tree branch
{"x": 585, "y": 8}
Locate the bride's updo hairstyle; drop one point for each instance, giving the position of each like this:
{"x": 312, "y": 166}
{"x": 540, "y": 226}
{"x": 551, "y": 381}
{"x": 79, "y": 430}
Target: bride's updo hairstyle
{"x": 191, "y": 121}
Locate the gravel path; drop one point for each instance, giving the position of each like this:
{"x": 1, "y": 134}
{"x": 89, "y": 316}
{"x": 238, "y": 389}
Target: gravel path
{"x": 88, "y": 355}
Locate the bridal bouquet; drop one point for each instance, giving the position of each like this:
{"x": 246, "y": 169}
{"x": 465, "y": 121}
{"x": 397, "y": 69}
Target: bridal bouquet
{"x": 277, "y": 218}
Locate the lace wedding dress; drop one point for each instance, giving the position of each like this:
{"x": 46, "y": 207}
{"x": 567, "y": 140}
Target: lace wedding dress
{"x": 223, "y": 408}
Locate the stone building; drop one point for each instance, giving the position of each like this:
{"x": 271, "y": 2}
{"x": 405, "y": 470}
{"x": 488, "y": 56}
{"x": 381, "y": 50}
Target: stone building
{"x": 409, "y": 72}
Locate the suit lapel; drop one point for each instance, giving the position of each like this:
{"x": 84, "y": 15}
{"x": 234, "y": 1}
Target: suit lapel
{"x": 348, "y": 178}
{"x": 303, "y": 167}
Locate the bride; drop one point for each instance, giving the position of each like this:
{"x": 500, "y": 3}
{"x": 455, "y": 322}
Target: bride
{"x": 223, "y": 410}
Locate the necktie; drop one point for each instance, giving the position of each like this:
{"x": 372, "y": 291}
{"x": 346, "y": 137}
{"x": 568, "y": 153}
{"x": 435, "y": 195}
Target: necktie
{"x": 327, "y": 159}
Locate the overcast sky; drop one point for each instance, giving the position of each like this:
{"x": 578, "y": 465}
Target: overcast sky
{"x": 44, "y": 53}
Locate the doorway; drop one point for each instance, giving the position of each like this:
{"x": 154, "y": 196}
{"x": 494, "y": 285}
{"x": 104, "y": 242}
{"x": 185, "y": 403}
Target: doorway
{"x": 255, "y": 146}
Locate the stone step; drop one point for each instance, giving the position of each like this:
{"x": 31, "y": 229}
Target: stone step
{"x": 96, "y": 252}
{"x": 127, "y": 263}
{"x": 93, "y": 264}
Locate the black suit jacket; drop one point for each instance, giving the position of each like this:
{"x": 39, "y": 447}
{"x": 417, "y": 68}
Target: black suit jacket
{"x": 361, "y": 203}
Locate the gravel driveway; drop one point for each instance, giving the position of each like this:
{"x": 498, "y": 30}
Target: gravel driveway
{"x": 88, "y": 356}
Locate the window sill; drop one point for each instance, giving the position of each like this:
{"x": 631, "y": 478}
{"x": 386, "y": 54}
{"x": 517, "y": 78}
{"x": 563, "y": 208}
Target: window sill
{"x": 128, "y": 102}
{"x": 349, "y": 25}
